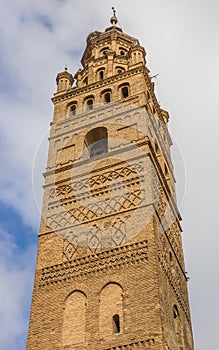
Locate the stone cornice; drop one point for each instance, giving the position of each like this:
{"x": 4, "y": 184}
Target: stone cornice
{"x": 106, "y": 107}
{"x": 110, "y": 154}
{"x": 86, "y": 89}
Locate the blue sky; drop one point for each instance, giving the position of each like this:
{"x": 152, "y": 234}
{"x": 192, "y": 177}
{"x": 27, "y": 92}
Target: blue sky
{"x": 37, "y": 39}
{"x": 17, "y": 260}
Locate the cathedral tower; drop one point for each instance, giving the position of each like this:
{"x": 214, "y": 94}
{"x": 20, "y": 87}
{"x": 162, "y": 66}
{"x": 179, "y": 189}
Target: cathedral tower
{"x": 110, "y": 269}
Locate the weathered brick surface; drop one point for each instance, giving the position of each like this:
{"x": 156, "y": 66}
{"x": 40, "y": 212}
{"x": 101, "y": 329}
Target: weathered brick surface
{"x": 110, "y": 237}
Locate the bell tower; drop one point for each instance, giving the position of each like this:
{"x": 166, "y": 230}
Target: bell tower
{"x": 110, "y": 270}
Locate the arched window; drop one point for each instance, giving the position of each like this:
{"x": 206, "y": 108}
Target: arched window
{"x": 111, "y": 310}
{"x": 74, "y": 319}
{"x": 72, "y": 110}
{"x": 101, "y": 74}
{"x": 89, "y": 104}
{"x": 104, "y": 50}
{"x": 122, "y": 51}
{"x": 171, "y": 258}
{"x": 85, "y": 81}
{"x": 107, "y": 97}
{"x": 124, "y": 90}
{"x": 116, "y": 323}
{"x": 177, "y": 324}
{"x": 96, "y": 141}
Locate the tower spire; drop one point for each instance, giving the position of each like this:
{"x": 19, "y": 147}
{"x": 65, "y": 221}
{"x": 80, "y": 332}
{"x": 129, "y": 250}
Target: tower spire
{"x": 114, "y": 19}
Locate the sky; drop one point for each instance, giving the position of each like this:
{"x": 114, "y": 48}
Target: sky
{"x": 37, "y": 40}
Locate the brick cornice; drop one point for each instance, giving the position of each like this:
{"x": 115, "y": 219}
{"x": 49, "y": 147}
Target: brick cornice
{"x": 109, "y": 259}
{"x": 75, "y": 91}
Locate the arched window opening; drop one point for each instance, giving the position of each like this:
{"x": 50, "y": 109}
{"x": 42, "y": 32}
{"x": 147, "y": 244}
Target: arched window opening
{"x": 176, "y": 323}
{"x": 101, "y": 75}
{"x": 107, "y": 97}
{"x": 74, "y": 319}
{"x": 116, "y": 323}
{"x": 90, "y": 104}
{"x": 171, "y": 258}
{"x": 104, "y": 50}
{"x": 111, "y": 321}
{"x": 122, "y": 51}
{"x": 72, "y": 110}
{"x": 124, "y": 91}
{"x": 96, "y": 141}
{"x": 85, "y": 81}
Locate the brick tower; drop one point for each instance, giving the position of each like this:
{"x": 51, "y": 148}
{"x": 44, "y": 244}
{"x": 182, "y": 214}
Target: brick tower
{"x": 110, "y": 269}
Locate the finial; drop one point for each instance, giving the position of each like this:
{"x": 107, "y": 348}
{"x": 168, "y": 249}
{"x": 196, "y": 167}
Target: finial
{"x": 114, "y": 19}
{"x": 66, "y": 68}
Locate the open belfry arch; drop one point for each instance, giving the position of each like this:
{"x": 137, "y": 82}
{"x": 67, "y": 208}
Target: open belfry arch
{"x": 110, "y": 270}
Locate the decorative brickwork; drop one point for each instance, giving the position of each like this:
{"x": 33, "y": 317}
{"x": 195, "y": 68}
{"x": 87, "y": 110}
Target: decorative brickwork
{"x": 148, "y": 343}
{"x": 95, "y": 263}
{"x": 110, "y": 272}
{"x": 94, "y": 211}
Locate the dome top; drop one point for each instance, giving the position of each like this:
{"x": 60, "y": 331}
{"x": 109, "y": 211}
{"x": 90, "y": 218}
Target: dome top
{"x": 114, "y": 19}
{"x": 66, "y": 75}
